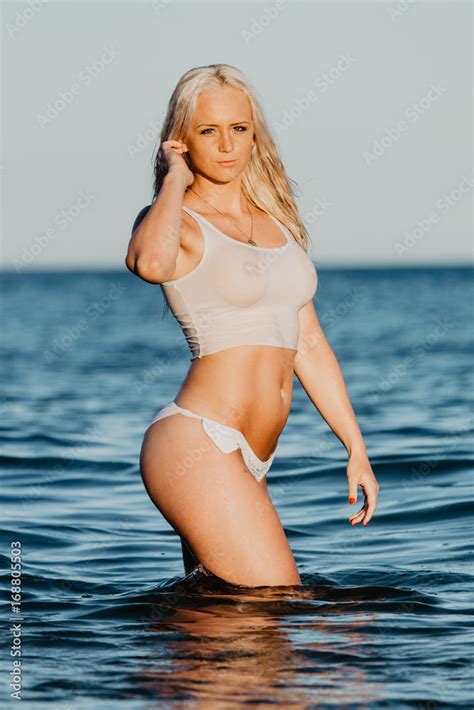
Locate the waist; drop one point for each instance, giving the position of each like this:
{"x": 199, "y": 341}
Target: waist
{"x": 248, "y": 388}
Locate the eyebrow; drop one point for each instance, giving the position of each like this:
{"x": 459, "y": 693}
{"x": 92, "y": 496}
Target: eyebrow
{"x": 215, "y": 125}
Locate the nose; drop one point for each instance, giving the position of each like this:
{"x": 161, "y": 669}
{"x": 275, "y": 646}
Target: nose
{"x": 225, "y": 143}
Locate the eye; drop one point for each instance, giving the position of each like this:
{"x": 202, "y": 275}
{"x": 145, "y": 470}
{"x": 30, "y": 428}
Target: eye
{"x": 204, "y": 132}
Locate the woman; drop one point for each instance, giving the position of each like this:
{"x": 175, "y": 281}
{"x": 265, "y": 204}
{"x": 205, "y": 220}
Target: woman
{"x": 224, "y": 240}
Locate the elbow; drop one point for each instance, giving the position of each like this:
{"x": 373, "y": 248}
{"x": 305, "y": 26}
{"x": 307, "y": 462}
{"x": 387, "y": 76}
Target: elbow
{"x": 130, "y": 263}
{"x": 147, "y": 268}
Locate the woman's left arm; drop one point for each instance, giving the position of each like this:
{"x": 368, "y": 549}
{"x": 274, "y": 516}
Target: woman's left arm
{"x": 319, "y": 372}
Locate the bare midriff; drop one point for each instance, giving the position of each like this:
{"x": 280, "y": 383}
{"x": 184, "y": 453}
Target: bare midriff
{"x": 248, "y": 387}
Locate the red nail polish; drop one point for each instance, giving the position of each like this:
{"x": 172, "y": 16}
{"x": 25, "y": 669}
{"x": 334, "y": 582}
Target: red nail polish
{"x": 352, "y": 500}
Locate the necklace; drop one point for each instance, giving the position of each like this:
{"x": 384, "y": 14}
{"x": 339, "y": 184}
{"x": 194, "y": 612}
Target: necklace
{"x": 249, "y": 241}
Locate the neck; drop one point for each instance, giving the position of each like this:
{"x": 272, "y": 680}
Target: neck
{"x": 226, "y": 197}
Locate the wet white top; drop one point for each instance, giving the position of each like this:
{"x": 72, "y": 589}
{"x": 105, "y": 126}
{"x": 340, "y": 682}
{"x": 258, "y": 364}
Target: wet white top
{"x": 239, "y": 294}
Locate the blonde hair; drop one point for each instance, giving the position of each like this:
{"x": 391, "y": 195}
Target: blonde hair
{"x": 264, "y": 180}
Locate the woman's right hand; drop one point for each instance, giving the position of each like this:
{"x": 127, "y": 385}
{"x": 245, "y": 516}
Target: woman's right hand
{"x": 173, "y": 152}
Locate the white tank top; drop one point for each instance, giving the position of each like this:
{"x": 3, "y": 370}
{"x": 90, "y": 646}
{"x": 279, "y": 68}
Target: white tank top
{"x": 239, "y": 294}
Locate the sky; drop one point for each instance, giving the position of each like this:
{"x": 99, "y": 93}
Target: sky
{"x": 370, "y": 105}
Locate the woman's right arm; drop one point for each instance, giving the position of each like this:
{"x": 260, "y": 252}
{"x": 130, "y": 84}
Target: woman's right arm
{"x": 154, "y": 246}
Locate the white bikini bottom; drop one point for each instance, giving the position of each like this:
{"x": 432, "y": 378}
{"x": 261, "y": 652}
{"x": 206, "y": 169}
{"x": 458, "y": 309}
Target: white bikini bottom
{"x": 226, "y": 438}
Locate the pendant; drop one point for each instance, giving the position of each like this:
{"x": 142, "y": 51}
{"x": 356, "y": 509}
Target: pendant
{"x": 251, "y": 241}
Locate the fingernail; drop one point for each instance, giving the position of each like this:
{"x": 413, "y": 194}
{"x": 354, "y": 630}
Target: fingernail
{"x": 352, "y": 500}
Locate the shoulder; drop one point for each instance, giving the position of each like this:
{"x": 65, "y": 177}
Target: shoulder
{"x": 189, "y": 223}
{"x": 140, "y": 216}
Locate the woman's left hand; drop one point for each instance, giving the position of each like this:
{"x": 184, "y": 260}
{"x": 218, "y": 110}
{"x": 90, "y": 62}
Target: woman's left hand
{"x": 359, "y": 471}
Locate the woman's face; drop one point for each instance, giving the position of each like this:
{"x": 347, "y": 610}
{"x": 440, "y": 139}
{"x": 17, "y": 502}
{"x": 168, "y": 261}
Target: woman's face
{"x": 221, "y": 129}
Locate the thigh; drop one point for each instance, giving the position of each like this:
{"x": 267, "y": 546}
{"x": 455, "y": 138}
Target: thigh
{"x": 212, "y": 500}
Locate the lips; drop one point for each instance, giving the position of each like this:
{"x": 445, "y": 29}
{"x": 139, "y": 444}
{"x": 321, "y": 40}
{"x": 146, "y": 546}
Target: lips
{"x": 226, "y": 162}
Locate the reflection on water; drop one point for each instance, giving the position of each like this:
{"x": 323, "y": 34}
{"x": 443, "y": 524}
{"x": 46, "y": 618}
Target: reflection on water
{"x": 227, "y": 643}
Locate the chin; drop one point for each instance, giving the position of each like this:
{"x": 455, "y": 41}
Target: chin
{"x": 224, "y": 174}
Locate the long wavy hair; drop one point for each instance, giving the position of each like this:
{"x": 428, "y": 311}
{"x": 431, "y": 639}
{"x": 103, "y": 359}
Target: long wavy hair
{"x": 265, "y": 183}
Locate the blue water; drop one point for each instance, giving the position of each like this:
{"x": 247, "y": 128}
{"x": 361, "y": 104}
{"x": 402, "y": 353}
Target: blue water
{"x": 109, "y": 620}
